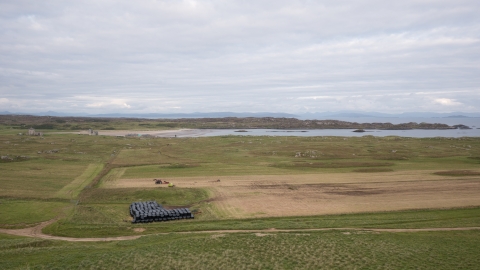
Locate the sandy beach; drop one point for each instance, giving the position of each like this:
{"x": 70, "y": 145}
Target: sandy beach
{"x": 155, "y": 133}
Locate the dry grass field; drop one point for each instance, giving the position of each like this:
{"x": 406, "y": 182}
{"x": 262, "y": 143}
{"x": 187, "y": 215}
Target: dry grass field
{"x": 328, "y": 193}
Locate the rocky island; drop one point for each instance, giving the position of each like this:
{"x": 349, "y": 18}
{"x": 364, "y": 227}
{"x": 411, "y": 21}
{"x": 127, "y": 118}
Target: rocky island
{"x": 241, "y": 124}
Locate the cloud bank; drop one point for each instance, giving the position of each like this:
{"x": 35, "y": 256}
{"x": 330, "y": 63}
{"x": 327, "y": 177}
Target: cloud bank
{"x": 201, "y": 56}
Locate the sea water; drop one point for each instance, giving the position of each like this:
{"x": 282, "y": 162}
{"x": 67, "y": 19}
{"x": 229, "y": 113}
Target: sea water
{"x": 473, "y": 123}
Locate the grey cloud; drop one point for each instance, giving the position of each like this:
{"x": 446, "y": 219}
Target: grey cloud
{"x": 231, "y": 55}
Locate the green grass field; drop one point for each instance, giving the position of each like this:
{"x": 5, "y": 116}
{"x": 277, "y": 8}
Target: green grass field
{"x": 61, "y": 175}
{"x": 312, "y": 250}
{"x": 22, "y": 213}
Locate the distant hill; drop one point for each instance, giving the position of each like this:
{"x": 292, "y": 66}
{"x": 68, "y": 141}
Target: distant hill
{"x": 358, "y": 114}
{"x": 315, "y": 115}
{"x": 161, "y": 115}
{"x": 457, "y": 116}
{"x": 198, "y": 115}
{"x": 352, "y": 115}
{"x": 238, "y": 123}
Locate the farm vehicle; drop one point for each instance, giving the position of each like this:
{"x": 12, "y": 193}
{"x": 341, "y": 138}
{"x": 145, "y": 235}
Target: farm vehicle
{"x": 163, "y": 182}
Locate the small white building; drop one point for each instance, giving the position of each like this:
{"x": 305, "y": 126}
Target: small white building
{"x": 32, "y": 132}
{"x": 92, "y": 132}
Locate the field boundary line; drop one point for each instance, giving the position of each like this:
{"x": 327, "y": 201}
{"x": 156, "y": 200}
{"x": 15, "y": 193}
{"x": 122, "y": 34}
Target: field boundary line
{"x": 73, "y": 189}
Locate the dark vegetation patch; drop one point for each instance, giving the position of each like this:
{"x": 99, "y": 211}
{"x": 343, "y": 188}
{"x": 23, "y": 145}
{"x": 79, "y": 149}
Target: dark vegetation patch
{"x": 332, "y": 164}
{"x": 356, "y": 192}
{"x": 337, "y": 189}
{"x": 373, "y": 170}
{"x": 27, "y": 243}
{"x": 71, "y": 159}
{"x": 8, "y": 159}
{"x": 101, "y": 120}
{"x": 439, "y": 155}
{"x": 168, "y": 125}
{"x": 179, "y": 166}
{"x": 393, "y": 157}
{"x": 52, "y": 157}
{"x": 44, "y": 126}
{"x": 477, "y": 159}
{"x": 457, "y": 173}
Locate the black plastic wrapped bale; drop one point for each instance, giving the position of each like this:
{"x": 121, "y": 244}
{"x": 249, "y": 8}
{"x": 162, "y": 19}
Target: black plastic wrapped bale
{"x": 151, "y": 211}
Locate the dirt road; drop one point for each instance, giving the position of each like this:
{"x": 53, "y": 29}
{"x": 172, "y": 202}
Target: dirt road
{"x": 37, "y": 232}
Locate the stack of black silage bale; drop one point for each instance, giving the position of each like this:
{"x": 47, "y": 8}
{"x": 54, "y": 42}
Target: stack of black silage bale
{"x": 151, "y": 211}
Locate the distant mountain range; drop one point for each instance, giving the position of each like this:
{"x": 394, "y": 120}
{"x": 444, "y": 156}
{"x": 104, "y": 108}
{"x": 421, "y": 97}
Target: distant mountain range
{"x": 162, "y": 115}
{"x": 354, "y": 114}
{"x": 316, "y": 115}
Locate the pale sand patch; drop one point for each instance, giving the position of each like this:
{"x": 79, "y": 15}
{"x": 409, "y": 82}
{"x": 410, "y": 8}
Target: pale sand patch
{"x": 157, "y": 133}
{"x": 264, "y": 234}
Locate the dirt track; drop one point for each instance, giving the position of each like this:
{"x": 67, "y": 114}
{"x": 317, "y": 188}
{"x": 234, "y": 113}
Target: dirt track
{"x": 37, "y": 232}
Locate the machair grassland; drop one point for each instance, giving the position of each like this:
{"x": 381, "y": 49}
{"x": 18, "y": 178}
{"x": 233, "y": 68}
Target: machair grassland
{"x": 87, "y": 182}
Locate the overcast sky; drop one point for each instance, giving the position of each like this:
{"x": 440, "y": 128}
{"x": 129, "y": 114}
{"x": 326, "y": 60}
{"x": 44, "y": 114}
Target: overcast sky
{"x": 242, "y": 56}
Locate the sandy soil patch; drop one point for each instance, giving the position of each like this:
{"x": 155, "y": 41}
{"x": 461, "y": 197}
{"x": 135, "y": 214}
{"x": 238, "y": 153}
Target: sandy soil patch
{"x": 264, "y": 234}
{"x": 295, "y": 179}
{"x": 317, "y": 199}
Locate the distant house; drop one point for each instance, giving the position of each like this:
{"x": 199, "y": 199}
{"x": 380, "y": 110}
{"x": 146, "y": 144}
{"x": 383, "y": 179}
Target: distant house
{"x": 32, "y": 132}
{"x": 92, "y": 132}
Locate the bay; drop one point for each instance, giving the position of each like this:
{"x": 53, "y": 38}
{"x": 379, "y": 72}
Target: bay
{"x": 473, "y": 123}
{"x": 414, "y": 133}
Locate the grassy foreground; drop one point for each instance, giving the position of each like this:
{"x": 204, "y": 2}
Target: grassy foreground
{"x": 312, "y": 250}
